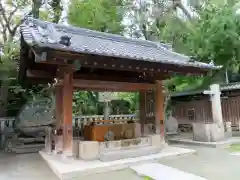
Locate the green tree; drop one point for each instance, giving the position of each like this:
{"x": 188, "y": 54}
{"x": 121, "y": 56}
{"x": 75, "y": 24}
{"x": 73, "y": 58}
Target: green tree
{"x": 11, "y": 17}
{"x": 132, "y": 98}
{"x": 215, "y": 37}
{"x": 7, "y": 68}
{"x": 211, "y": 36}
{"x": 100, "y": 15}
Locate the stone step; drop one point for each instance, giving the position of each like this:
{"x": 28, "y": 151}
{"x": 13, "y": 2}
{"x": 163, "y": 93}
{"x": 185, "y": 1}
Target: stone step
{"x": 32, "y": 148}
{"x": 128, "y": 153}
{"x": 25, "y": 151}
{"x": 25, "y": 146}
{"x": 29, "y": 140}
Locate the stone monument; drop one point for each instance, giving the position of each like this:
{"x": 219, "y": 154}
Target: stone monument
{"x": 171, "y": 125}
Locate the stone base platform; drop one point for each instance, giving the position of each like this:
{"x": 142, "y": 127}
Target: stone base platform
{"x": 189, "y": 141}
{"x": 128, "y": 153}
{"x": 70, "y": 169}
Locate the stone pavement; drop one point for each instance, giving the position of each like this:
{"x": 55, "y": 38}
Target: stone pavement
{"x": 68, "y": 169}
{"x": 32, "y": 167}
{"x": 24, "y": 167}
{"x": 211, "y": 163}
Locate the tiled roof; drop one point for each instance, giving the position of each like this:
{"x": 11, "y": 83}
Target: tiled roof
{"x": 46, "y": 34}
{"x": 223, "y": 87}
{"x": 230, "y": 86}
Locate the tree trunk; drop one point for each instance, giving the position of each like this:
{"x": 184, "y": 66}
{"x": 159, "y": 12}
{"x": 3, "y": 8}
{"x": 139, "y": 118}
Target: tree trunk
{"x": 184, "y": 10}
{"x": 36, "y": 4}
{"x": 57, "y": 10}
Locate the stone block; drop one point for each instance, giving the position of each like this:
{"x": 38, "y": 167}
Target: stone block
{"x": 68, "y": 150}
{"x": 138, "y": 132}
{"x": 157, "y": 141}
{"x": 129, "y": 153}
{"x": 208, "y": 132}
{"x": 58, "y": 144}
{"x": 171, "y": 125}
{"x": 149, "y": 129}
{"x": 48, "y": 140}
{"x": 228, "y": 127}
{"x": 216, "y": 132}
{"x": 89, "y": 150}
{"x": 76, "y": 148}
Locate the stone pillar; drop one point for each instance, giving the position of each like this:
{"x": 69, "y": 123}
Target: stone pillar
{"x": 216, "y": 104}
{"x": 107, "y": 110}
{"x": 215, "y": 131}
{"x": 67, "y": 114}
{"x": 228, "y": 132}
{"x": 48, "y": 140}
{"x": 2, "y": 137}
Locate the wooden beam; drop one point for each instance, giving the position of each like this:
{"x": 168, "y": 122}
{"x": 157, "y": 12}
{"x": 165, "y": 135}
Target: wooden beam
{"x": 47, "y": 76}
{"x": 38, "y": 74}
{"x": 118, "y": 75}
{"x": 94, "y": 85}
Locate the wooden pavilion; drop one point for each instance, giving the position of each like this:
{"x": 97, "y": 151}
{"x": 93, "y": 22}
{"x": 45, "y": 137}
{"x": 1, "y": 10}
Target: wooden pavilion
{"x": 83, "y": 59}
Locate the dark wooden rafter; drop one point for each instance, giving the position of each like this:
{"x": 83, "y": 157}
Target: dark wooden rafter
{"x": 93, "y": 67}
{"x": 104, "y": 62}
{"x": 93, "y": 74}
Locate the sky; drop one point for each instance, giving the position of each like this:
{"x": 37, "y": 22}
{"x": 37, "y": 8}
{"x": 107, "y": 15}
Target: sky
{"x": 126, "y": 20}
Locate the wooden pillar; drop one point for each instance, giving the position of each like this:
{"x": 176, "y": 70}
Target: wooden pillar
{"x": 59, "y": 106}
{"x": 142, "y": 113}
{"x": 2, "y": 136}
{"x": 59, "y": 118}
{"x": 67, "y": 113}
{"x": 159, "y": 108}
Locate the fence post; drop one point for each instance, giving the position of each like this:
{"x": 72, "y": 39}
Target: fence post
{"x": 2, "y": 126}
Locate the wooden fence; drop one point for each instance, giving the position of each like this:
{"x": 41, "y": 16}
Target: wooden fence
{"x": 202, "y": 111}
{"x": 5, "y": 123}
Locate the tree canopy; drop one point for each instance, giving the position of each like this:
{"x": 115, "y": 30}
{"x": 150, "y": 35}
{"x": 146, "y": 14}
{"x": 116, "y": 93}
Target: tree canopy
{"x": 100, "y": 15}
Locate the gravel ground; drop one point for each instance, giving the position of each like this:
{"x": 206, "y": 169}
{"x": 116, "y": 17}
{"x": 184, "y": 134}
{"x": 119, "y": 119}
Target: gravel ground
{"x": 213, "y": 164}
